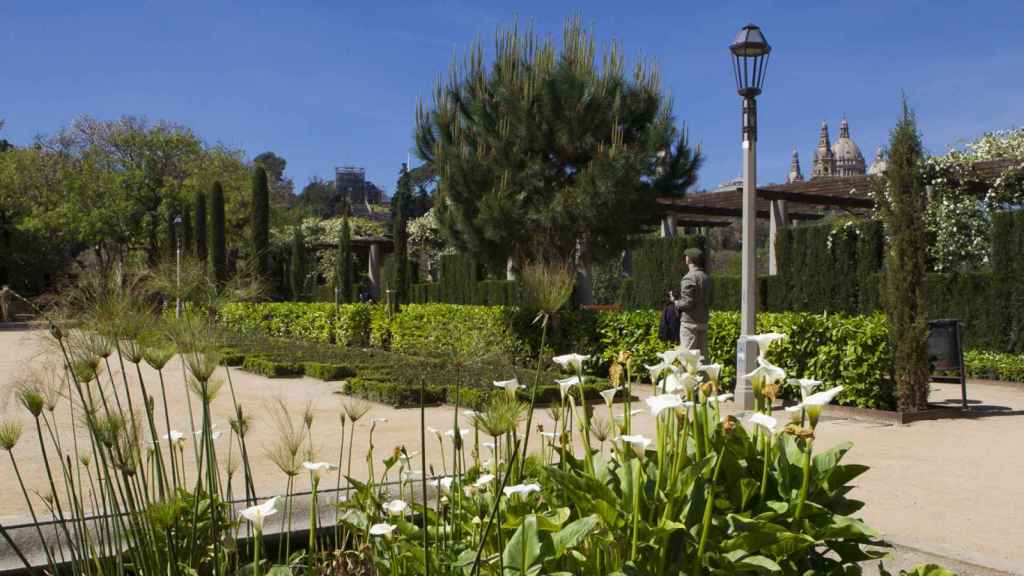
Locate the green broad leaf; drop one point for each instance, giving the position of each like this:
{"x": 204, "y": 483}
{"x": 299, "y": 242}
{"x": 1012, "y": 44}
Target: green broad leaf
{"x": 927, "y": 570}
{"x": 466, "y": 558}
{"x": 823, "y": 463}
{"x": 844, "y": 527}
{"x": 552, "y": 520}
{"x": 748, "y": 488}
{"x": 570, "y": 537}
{"x": 759, "y": 564}
{"x": 354, "y": 518}
{"x": 280, "y": 571}
{"x": 753, "y": 536}
{"x": 523, "y": 550}
{"x": 854, "y": 552}
{"x": 842, "y": 474}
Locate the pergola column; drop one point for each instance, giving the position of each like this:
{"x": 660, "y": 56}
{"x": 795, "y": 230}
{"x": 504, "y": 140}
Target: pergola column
{"x": 668, "y": 225}
{"x": 374, "y": 270}
{"x": 778, "y": 218}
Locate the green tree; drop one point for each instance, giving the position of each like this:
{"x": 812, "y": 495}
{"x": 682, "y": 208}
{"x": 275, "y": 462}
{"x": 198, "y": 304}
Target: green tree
{"x": 344, "y": 277}
{"x": 903, "y": 203}
{"x": 200, "y": 208}
{"x": 297, "y": 265}
{"x": 260, "y": 225}
{"x": 218, "y": 245}
{"x": 545, "y": 151}
{"x": 399, "y": 205}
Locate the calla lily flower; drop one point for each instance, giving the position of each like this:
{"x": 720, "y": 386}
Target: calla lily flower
{"x": 657, "y": 369}
{"x": 763, "y": 420}
{"x": 712, "y": 371}
{"x": 638, "y": 442}
{"x": 382, "y": 529}
{"x": 565, "y": 384}
{"x": 662, "y": 402}
{"x": 410, "y": 474}
{"x": 174, "y": 436}
{"x": 510, "y": 386}
{"x": 764, "y": 341}
{"x": 571, "y": 361}
{"x": 678, "y": 382}
{"x": 216, "y": 434}
{"x": 765, "y": 373}
{"x": 814, "y": 403}
{"x": 444, "y": 484}
{"x": 484, "y": 480}
{"x": 521, "y": 489}
{"x": 609, "y": 395}
{"x": 807, "y": 386}
{"x": 451, "y": 433}
{"x": 669, "y": 356}
{"x": 378, "y": 420}
{"x": 317, "y": 467}
{"x": 690, "y": 359}
{"x": 257, "y": 514}
{"x": 395, "y": 507}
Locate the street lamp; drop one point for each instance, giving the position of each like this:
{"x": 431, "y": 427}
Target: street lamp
{"x": 749, "y": 61}
{"x": 179, "y": 224}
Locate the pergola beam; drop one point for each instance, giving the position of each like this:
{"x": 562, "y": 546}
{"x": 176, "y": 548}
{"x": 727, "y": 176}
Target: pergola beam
{"x": 816, "y": 199}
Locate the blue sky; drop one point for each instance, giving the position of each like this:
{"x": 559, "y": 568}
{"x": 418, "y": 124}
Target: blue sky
{"x": 336, "y": 83}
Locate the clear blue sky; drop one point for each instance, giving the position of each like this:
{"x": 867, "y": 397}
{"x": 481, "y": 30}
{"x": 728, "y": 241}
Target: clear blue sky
{"x": 332, "y": 83}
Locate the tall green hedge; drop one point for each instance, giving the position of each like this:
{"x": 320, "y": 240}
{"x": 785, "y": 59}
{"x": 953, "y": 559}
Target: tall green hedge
{"x": 1008, "y": 278}
{"x": 218, "y": 240}
{"x": 658, "y": 266}
{"x": 346, "y": 325}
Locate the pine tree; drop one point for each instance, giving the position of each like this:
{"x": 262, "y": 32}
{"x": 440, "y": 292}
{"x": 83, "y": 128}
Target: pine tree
{"x": 261, "y": 221}
{"x": 297, "y": 265}
{"x": 903, "y": 202}
{"x": 201, "y": 226}
{"x": 400, "y": 203}
{"x": 218, "y": 243}
{"x": 343, "y": 269}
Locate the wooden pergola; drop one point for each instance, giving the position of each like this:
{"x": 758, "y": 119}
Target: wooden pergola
{"x": 375, "y": 247}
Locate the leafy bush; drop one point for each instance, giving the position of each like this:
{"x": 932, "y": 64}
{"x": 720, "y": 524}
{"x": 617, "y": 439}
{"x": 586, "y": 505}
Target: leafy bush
{"x": 453, "y": 331}
{"x": 994, "y": 365}
{"x": 346, "y": 325}
{"x": 326, "y": 372}
{"x": 271, "y": 368}
{"x": 231, "y": 357}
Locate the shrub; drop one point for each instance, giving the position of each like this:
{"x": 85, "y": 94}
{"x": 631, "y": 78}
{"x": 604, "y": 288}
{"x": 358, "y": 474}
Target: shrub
{"x": 658, "y": 267}
{"x": 322, "y": 371}
{"x": 231, "y": 357}
{"x": 353, "y": 324}
{"x": 347, "y": 325}
{"x": 994, "y": 365}
{"x": 271, "y": 368}
{"x": 449, "y": 330}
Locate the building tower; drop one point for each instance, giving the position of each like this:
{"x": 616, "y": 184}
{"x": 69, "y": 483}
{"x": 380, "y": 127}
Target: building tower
{"x": 795, "y": 175}
{"x": 848, "y": 161}
{"x": 824, "y": 161}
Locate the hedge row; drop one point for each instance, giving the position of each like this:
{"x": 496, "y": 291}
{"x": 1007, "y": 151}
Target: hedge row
{"x": 658, "y": 266}
{"x": 346, "y": 325}
{"x": 848, "y": 350}
{"x": 994, "y": 365}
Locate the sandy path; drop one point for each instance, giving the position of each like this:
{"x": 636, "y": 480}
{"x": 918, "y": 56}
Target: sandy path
{"x": 951, "y": 487}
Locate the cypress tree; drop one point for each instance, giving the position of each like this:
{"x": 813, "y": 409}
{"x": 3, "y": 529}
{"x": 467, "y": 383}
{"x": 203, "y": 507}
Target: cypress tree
{"x": 343, "y": 269}
{"x": 172, "y": 236}
{"x": 186, "y": 227}
{"x": 201, "y": 226}
{"x": 297, "y": 265}
{"x": 261, "y": 220}
{"x": 903, "y": 203}
{"x": 403, "y": 196}
{"x": 218, "y": 244}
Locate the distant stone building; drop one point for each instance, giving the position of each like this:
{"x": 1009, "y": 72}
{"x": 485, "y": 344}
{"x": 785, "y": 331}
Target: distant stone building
{"x": 840, "y": 159}
{"x": 350, "y": 184}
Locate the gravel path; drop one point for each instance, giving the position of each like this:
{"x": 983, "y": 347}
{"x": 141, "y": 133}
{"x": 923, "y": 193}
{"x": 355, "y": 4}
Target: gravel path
{"x": 951, "y": 487}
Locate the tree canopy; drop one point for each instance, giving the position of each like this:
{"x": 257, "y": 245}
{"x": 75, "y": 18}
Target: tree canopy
{"x": 545, "y": 150}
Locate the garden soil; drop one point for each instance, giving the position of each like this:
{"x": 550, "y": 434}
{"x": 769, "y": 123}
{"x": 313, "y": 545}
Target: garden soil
{"x": 949, "y": 487}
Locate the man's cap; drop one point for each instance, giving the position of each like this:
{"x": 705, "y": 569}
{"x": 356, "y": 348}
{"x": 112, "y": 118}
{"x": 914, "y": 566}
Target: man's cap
{"x": 693, "y": 252}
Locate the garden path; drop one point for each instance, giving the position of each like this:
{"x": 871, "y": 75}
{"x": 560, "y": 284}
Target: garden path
{"x": 951, "y": 487}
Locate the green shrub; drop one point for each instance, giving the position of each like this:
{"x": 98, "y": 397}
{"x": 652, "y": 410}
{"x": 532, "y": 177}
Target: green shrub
{"x": 231, "y": 357}
{"x": 347, "y": 325}
{"x": 449, "y": 330}
{"x": 327, "y": 372}
{"x": 271, "y": 368}
{"x": 658, "y": 266}
{"x": 994, "y": 365}
{"x": 354, "y": 324}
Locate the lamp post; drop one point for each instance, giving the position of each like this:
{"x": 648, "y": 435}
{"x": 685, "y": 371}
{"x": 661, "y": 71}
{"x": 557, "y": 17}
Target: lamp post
{"x": 178, "y": 225}
{"x": 749, "y": 60}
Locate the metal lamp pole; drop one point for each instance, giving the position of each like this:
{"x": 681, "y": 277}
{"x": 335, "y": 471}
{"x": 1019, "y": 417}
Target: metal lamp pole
{"x": 750, "y": 59}
{"x": 178, "y": 222}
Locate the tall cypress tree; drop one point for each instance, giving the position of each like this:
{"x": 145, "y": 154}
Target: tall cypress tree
{"x": 297, "y": 265}
{"x": 186, "y": 227}
{"x": 403, "y": 196}
{"x": 218, "y": 243}
{"x": 903, "y": 203}
{"x": 201, "y": 226}
{"x": 261, "y": 220}
{"x": 343, "y": 269}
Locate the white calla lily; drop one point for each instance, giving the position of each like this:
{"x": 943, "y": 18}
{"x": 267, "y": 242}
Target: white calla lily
{"x": 720, "y": 398}
{"x": 764, "y": 341}
{"x": 382, "y": 529}
{"x": 435, "y": 432}
{"x": 691, "y": 360}
{"x": 638, "y": 442}
{"x": 484, "y": 480}
{"x": 174, "y": 436}
{"x": 451, "y": 433}
{"x": 609, "y": 395}
{"x": 565, "y": 384}
{"x": 509, "y": 386}
{"x": 521, "y": 489}
{"x": 669, "y": 356}
{"x": 443, "y": 484}
{"x": 763, "y": 420}
{"x": 657, "y": 369}
{"x": 814, "y": 403}
{"x": 259, "y": 513}
{"x": 807, "y": 386}
{"x": 571, "y": 361}
{"x": 712, "y": 371}
{"x": 662, "y": 402}
{"x": 396, "y": 507}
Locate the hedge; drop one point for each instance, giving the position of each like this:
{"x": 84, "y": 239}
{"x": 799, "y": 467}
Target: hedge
{"x": 994, "y": 365}
{"x": 453, "y": 331}
{"x": 346, "y": 325}
{"x": 327, "y": 372}
{"x": 658, "y": 266}
{"x": 271, "y": 368}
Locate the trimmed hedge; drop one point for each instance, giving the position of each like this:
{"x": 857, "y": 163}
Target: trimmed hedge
{"x": 271, "y": 368}
{"x": 658, "y": 266}
{"x": 327, "y": 372}
{"x": 994, "y": 365}
{"x": 453, "y": 331}
{"x": 345, "y": 325}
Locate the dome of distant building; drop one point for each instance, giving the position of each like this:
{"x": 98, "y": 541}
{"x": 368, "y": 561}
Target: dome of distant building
{"x": 879, "y": 165}
{"x": 849, "y": 160}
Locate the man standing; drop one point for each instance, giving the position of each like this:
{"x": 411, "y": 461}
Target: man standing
{"x": 693, "y": 304}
